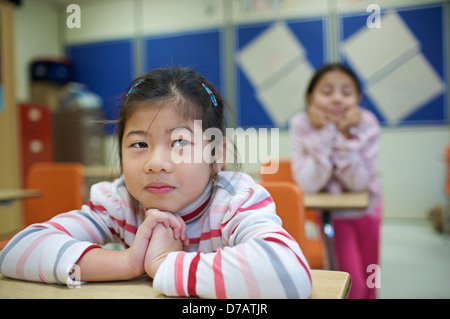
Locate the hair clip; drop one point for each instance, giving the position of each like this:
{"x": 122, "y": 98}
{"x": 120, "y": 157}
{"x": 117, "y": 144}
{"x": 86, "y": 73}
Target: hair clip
{"x": 132, "y": 88}
{"x": 211, "y": 95}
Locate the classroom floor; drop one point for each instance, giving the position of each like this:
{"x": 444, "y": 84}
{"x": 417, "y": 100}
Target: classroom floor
{"x": 415, "y": 260}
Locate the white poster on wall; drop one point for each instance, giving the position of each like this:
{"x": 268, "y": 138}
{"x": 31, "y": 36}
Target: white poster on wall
{"x": 279, "y": 73}
{"x": 371, "y": 50}
{"x": 397, "y": 76}
{"x": 406, "y": 89}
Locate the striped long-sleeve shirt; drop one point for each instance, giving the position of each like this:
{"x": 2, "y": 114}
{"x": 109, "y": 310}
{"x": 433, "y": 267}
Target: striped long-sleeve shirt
{"x": 238, "y": 248}
{"x": 323, "y": 159}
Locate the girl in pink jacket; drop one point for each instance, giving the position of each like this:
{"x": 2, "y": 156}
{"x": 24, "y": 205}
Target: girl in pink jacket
{"x": 334, "y": 147}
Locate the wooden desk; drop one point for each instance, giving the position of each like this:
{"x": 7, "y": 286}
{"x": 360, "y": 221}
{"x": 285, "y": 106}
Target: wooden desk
{"x": 7, "y": 195}
{"x": 326, "y": 203}
{"x": 344, "y": 201}
{"x": 326, "y": 285}
{"x": 330, "y": 284}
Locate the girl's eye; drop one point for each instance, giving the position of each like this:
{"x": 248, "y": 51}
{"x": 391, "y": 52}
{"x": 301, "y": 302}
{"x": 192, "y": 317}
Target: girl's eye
{"x": 326, "y": 91}
{"x": 180, "y": 143}
{"x": 347, "y": 92}
{"x": 139, "y": 145}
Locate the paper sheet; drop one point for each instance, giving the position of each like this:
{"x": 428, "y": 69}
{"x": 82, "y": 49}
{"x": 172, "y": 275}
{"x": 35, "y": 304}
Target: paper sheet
{"x": 371, "y": 50}
{"x": 412, "y": 85}
{"x": 287, "y": 95}
{"x": 269, "y": 53}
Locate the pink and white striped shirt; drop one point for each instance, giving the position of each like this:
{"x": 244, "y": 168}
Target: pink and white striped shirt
{"x": 323, "y": 159}
{"x": 238, "y": 248}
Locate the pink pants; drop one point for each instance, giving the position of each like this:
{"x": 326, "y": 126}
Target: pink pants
{"x": 356, "y": 245}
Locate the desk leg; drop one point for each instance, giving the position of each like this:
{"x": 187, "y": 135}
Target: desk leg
{"x": 328, "y": 238}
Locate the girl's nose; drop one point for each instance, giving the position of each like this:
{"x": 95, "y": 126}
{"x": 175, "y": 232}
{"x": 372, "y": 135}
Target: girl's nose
{"x": 336, "y": 97}
{"x": 158, "y": 161}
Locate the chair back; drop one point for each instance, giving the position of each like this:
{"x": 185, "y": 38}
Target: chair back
{"x": 288, "y": 200}
{"x": 284, "y": 172}
{"x": 314, "y": 250}
{"x": 61, "y": 185}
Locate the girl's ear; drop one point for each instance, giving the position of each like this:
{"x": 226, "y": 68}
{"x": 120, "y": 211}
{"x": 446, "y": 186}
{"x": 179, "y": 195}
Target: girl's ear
{"x": 308, "y": 100}
{"x": 220, "y": 157}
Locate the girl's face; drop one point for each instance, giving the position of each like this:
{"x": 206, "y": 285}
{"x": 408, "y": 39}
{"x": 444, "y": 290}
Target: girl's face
{"x": 152, "y": 136}
{"x": 335, "y": 93}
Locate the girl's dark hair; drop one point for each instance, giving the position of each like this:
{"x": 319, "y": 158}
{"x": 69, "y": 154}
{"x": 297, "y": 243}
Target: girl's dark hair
{"x": 328, "y": 68}
{"x": 179, "y": 84}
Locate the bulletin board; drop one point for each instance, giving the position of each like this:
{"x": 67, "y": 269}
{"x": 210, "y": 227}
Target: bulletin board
{"x": 107, "y": 68}
{"x": 402, "y": 65}
{"x": 199, "y": 50}
{"x": 274, "y": 62}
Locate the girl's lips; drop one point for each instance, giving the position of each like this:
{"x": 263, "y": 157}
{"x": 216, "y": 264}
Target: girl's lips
{"x": 159, "y": 188}
{"x": 337, "y": 111}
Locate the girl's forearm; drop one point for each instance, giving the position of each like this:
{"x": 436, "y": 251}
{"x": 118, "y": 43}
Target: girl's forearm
{"x": 101, "y": 264}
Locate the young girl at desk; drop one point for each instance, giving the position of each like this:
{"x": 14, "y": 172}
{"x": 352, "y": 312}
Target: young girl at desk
{"x": 335, "y": 143}
{"x": 195, "y": 229}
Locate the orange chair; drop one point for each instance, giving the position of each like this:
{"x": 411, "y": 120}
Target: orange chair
{"x": 4, "y": 242}
{"x": 314, "y": 246}
{"x": 288, "y": 200}
{"x": 284, "y": 172}
{"x": 61, "y": 185}
{"x": 62, "y": 190}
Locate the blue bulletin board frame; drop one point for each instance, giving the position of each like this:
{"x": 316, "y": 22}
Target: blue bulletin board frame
{"x": 310, "y": 32}
{"x": 107, "y": 68}
{"x": 428, "y": 25}
{"x": 200, "y": 50}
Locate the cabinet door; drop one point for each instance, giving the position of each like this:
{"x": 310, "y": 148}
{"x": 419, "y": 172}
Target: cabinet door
{"x": 10, "y": 214}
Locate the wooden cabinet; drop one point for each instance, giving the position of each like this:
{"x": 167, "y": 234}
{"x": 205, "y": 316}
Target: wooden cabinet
{"x": 10, "y": 215}
{"x": 36, "y": 136}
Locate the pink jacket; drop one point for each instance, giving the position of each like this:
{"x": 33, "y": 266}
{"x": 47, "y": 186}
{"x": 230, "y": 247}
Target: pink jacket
{"x": 324, "y": 160}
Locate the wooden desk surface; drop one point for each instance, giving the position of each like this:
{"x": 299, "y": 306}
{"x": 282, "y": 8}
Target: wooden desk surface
{"x": 327, "y": 201}
{"x": 329, "y": 284}
{"x": 101, "y": 172}
{"x": 7, "y": 195}
{"x": 326, "y": 285}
